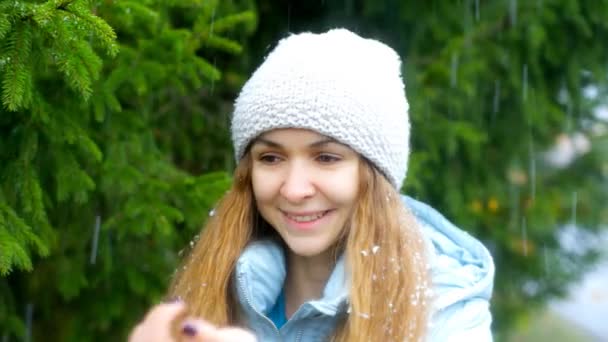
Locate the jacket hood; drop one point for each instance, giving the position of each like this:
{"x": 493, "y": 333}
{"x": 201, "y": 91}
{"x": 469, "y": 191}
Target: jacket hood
{"x": 461, "y": 266}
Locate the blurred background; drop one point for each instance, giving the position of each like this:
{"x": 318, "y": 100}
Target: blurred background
{"x": 114, "y": 146}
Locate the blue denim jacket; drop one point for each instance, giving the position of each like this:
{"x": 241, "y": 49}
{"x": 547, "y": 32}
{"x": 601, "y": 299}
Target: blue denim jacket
{"x": 462, "y": 274}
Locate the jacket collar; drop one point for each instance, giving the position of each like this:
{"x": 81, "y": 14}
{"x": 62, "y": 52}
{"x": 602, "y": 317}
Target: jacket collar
{"x": 260, "y": 274}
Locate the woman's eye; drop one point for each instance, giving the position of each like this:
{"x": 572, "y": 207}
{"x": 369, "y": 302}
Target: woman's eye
{"x": 327, "y": 158}
{"x": 269, "y": 159}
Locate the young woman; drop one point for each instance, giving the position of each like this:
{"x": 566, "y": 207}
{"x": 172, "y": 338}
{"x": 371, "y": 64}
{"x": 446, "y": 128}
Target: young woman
{"x": 313, "y": 241}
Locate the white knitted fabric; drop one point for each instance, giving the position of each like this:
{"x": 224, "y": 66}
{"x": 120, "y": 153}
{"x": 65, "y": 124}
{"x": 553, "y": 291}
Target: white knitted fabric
{"x": 337, "y": 84}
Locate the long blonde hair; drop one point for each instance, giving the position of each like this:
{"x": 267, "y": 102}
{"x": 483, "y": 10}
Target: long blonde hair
{"x": 384, "y": 255}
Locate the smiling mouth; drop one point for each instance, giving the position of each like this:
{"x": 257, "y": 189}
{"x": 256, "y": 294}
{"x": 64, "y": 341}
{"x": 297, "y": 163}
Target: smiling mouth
{"x": 306, "y": 218}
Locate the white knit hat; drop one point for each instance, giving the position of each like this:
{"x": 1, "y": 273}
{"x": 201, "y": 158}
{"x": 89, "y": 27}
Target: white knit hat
{"x": 337, "y": 84}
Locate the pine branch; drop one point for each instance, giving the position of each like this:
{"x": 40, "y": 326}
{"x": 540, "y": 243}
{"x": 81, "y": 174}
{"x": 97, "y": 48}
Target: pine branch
{"x": 12, "y": 252}
{"x": 15, "y": 235}
{"x": 207, "y": 11}
{"x": 228, "y": 22}
{"x": 224, "y": 44}
{"x": 97, "y": 26}
{"x": 74, "y": 57}
{"x": 76, "y": 75}
{"x": 71, "y": 179}
{"x": 63, "y": 4}
{"x": 207, "y": 31}
{"x": 140, "y": 11}
{"x": 43, "y": 14}
{"x": 183, "y": 3}
{"x": 5, "y": 25}
{"x": 209, "y": 71}
{"x": 16, "y": 85}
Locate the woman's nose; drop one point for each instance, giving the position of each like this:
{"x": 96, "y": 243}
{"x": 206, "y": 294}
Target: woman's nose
{"x": 297, "y": 184}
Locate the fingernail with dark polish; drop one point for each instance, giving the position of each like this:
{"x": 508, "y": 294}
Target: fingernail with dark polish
{"x": 189, "y": 330}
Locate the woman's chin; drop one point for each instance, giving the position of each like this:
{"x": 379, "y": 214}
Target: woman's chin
{"x": 306, "y": 250}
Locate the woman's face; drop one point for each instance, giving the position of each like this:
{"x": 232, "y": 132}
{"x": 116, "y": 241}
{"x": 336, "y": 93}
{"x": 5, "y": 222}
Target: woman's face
{"x": 305, "y": 185}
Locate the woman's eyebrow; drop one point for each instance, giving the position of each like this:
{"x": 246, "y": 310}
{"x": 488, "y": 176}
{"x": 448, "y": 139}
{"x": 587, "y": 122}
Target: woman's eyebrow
{"x": 316, "y": 144}
{"x": 323, "y": 142}
{"x": 267, "y": 142}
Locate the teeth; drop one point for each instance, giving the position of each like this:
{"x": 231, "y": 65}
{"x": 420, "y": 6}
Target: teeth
{"x": 306, "y": 218}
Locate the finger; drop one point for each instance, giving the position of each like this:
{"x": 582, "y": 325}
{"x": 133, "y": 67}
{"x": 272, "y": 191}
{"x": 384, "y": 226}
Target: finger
{"x": 138, "y": 334}
{"x": 165, "y": 313}
{"x": 198, "y": 330}
{"x": 156, "y": 325}
{"x": 235, "y": 335}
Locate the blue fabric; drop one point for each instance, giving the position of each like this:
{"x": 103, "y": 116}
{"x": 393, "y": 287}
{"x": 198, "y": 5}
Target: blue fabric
{"x": 462, "y": 273}
{"x": 277, "y": 313}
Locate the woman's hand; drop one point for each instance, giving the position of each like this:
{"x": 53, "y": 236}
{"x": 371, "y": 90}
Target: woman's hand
{"x": 162, "y": 324}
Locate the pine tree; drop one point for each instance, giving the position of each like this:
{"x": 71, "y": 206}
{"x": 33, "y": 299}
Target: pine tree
{"x": 105, "y": 106}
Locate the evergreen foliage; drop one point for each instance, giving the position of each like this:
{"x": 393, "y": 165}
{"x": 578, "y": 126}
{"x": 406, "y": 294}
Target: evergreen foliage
{"x": 100, "y": 184}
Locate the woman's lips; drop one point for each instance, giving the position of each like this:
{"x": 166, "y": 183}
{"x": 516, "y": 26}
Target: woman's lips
{"x": 306, "y": 220}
